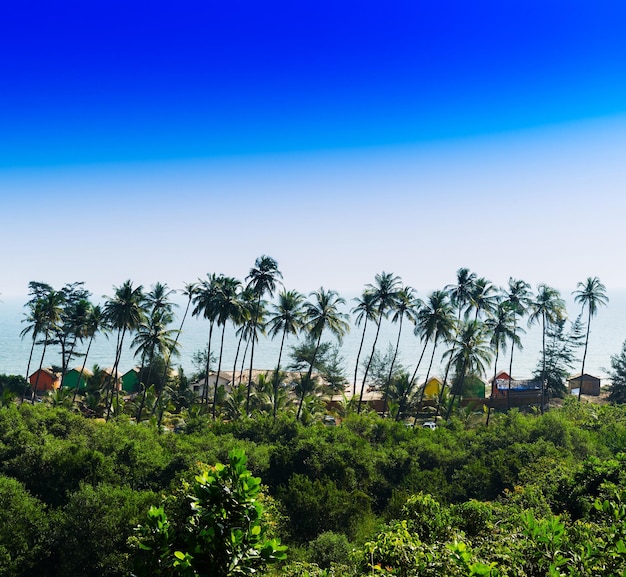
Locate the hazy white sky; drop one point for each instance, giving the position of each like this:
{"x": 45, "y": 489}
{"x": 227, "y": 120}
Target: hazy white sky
{"x": 544, "y": 205}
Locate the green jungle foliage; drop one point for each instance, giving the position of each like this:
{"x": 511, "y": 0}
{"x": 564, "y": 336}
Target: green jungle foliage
{"x": 530, "y": 495}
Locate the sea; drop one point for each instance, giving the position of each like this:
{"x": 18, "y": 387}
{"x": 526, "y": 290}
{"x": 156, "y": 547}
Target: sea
{"x": 608, "y": 332}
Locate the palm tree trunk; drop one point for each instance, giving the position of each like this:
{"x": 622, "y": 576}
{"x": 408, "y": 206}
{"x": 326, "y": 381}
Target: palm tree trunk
{"x": 145, "y": 386}
{"x": 369, "y": 362}
{"x": 113, "y": 377}
{"x": 30, "y": 357}
{"x": 393, "y": 362}
{"x": 543, "y": 369}
{"x": 419, "y": 362}
{"x": 443, "y": 386}
{"x": 582, "y": 370}
{"x": 458, "y": 389}
{"x": 82, "y": 370}
{"x": 430, "y": 365}
{"x": 205, "y": 391}
{"x": 254, "y": 327}
{"x": 219, "y": 368}
{"x": 308, "y": 376}
{"x": 358, "y": 356}
{"x": 277, "y": 373}
{"x": 243, "y": 361}
{"x": 45, "y": 346}
{"x": 493, "y": 384}
{"x": 508, "y": 395}
{"x": 232, "y": 382}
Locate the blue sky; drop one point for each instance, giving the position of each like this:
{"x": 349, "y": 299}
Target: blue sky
{"x": 341, "y": 138}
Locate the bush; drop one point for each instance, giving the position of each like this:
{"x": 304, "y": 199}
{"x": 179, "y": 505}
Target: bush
{"x": 23, "y": 531}
{"x": 223, "y": 536}
{"x": 329, "y": 548}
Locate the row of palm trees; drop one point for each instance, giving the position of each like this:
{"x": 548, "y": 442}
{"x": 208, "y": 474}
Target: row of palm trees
{"x": 472, "y": 317}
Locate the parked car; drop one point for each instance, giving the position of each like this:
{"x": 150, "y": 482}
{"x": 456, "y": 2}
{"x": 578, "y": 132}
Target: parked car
{"x": 430, "y": 425}
{"x": 329, "y": 421}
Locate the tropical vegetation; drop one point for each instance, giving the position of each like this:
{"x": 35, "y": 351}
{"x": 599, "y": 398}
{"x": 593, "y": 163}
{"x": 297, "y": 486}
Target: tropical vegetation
{"x": 292, "y": 471}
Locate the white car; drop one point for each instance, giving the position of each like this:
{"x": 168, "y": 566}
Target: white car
{"x": 430, "y": 425}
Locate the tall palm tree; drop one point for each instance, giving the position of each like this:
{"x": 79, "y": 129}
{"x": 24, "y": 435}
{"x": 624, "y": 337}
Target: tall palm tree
{"x": 189, "y": 290}
{"x": 287, "y": 319}
{"x": 159, "y": 298}
{"x": 406, "y": 305}
{"x": 518, "y": 298}
{"x": 469, "y": 355}
{"x": 385, "y": 295}
{"x": 123, "y": 312}
{"x": 502, "y": 328}
{"x": 262, "y": 279}
{"x": 320, "y": 315}
{"x": 243, "y": 323}
{"x": 461, "y": 292}
{"x": 204, "y": 304}
{"x": 74, "y": 306}
{"x": 547, "y": 307}
{"x": 590, "y": 294}
{"x": 153, "y": 337}
{"x": 36, "y": 323}
{"x": 227, "y": 305}
{"x": 460, "y": 297}
{"x": 94, "y": 323}
{"x": 365, "y": 310}
{"x": 51, "y": 312}
{"x": 435, "y": 321}
{"x": 483, "y": 298}
{"x": 75, "y": 328}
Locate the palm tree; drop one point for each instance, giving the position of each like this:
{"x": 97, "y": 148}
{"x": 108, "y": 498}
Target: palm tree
{"x": 434, "y": 321}
{"x": 518, "y": 298}
{"x": 74, "y": 306}
{"x": 36, "y": 323}
{"x": 460, "y": 296}
{"x": 590, "y": 294}
{"x": 189, "y": 290}
{"x": 287, "y": 319}
{"x": 385, "y": 295}
{"x": 227, "y": 306}
{"x": 483, "y": 298}
{"x": 320, "y": 315}
{"x": 366, "y": 310}
{"x": 94, "y": 323}
{"x": 74, "y": 327}
{"x": 204, "y": 300}
{"x": 153, "y": 337}
{"x": 243, "y": 322}
{"x": 262, "y": 279}
{"x": 159, "y": 298}
{"x": 547, "y": 308}
{"x": 51, "y": 315}
{"x": 461, "y": 292}
{"x": 502, "y": 328}
{"x": 407, "y": 305}
{"x": 123, "y": 312}
{"x": 469, "y": 355}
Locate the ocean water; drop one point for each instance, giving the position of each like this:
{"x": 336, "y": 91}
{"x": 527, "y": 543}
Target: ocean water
{"x": 608, "y": 332}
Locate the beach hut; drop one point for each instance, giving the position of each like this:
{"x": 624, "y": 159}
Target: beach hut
{"x": 522, "y": 392}
{"x": 109, "y": 375}
{"x": 130, "y": 381}
{"x": 590, "y": 384}
{"x": 45, "y": 379}
{"x": 432, "y": 388}
{"x": 73, "y": 378}
{"x": 198, "y": 386}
